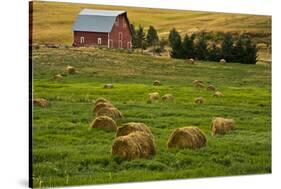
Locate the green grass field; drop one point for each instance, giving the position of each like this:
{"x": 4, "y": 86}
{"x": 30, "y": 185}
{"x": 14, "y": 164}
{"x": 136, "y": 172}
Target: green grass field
{"x": 67, "y": 152}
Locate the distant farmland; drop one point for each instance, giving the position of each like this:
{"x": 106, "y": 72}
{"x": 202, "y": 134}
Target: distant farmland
{"x": 53, "y": 21}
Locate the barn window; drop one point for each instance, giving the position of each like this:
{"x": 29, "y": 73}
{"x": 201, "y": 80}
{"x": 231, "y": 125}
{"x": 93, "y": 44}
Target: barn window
{"x": 99, "y": 41}
{"x": 117, "y": 21}
{"x": 120, "y": 36}
{"x": 119, "y": 44}
{"x": 82, "y": 39}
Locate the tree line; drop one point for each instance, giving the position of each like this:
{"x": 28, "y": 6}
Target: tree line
{"x": 198, "y": 46}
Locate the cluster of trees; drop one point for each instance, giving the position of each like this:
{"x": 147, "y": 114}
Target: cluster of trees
{"x": 241, "y": 49}
{"x": 142, "y": 40}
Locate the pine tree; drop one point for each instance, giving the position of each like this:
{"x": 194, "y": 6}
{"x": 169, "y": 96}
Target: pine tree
{"x": 140, "y": 38}
{"x": 134, "y": 36}
{"x": 188, "y": 46}
{"x": 175, "y": 43}
{"x": 250, "y": 52}
{"x": 201, "y": 50}
{"x": 227, "y": 48}
{"x": 214, "y": 53}
{"x": 239, "y": 50}
{"x": 152, "y": 36}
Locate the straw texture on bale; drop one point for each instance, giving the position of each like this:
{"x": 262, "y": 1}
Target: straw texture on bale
{"x": 40, "y": 102}
{"x": 187, "y": 137}
{"x": 211, "y": 88}
{"x": 58, "y": 77}
{"x": 101, "y": 105}
{"x": 156, "y": 83}
{"x": 70, "y": 69}
{"x": 114, "y": 113}
{"x": 199, "y": 100}
{"x": 153, "y": 96}
{"x": 199, "y": 85}
{"x": 128, "y": 128}
{"x": 197, "y": 81}
{"x": 101, "y": 100}
{"x": 167, "y": 98}
{"x": 108, "y": 86}
{"x": 218, "y": 94}
{"x": 222, "y": 125}
{"x": 104, "y": 122}
{"x": 222, "y": 61}
{"x": 133, "y": 146}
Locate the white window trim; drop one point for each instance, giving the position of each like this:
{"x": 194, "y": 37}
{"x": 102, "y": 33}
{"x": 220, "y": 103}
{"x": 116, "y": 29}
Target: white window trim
{"x": 129, "y": 45}
{"x": 99, "y": 41}
{"x": 120, "y": 38}
{"x": 111, "y": 42}
{"x": 119, "y": 43}
{"x": 82, "y": 39}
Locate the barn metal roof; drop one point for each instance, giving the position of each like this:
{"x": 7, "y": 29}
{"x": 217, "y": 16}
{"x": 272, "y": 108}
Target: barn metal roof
{"x": 93, "y": 20}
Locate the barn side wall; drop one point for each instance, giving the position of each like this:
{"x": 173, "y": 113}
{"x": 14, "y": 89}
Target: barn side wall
{"x": 126, "y": 34}
{"x": 90, "y": 39}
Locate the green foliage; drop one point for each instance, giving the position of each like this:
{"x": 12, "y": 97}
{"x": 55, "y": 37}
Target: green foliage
{"x": 140, "y": 38}
{"x": 214, "y": 53}
{"x": 151, "y": 36}
{"x": 175, "y": 43}
{"x": 201, "y": 51}
{"x": 227, "y": 48}
{"x": 188, "y": 47}
{"x": 67, "y": 152}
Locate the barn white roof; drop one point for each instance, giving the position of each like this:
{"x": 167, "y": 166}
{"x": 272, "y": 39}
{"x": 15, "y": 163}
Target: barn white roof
{"x": 93, "y": 20}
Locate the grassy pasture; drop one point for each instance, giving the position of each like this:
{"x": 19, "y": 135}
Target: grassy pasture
{"x": 53, "y": 21}
{"x": 67, "y": 152}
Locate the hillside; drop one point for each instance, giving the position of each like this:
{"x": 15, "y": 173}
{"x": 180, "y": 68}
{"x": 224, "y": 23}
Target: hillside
{"x": 53, "y": 21}
{"x": 67, "y": 152}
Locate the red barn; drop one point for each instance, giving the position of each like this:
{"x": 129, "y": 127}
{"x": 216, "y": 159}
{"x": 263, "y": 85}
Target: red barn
{"x": 102, "y": 28}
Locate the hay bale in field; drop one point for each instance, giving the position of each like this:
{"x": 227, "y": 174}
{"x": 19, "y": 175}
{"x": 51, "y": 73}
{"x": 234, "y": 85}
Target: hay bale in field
{"x": 70, "y": 69}
{"x": 199, "y": 85}
{"x": 222, "y": 125}
{"x": 190, "y": 61}
{"x": 104, "y": 122}
{"x": 199, "y": 100}
{"x": 156, "y": 83}
{"x": 40, "y": 102}
{"x": 154, "y": 96}
{"x": 218, "y": 94}
{"x": 197, "y": 81}
{"x": 211, "y": 88}
{"x": 133, "y": 146}
{"x": 222, "y": 61}
{"x": 114, "y": 113}
{"x": 108, "y": 86}
{"x": 58, "y": 77}
{"x": 167, "y": 98}
{"x": 187, "y": 137}
{"x": 98, "y": 100}
{"x": 128, "y": 128}
{"x": 101, "y": 105}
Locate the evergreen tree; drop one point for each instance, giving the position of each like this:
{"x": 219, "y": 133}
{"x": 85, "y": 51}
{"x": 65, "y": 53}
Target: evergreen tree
{"x": 175, "y": 43}
{"x": 134, "y": 36}
{"x": 201, "y": 50}
{"x": 214, "y": 53}
{"x": 239, "y": 50}
{"x": 227, "y": 48}
{"x": 250, "y": 52}
{"x": 188, "y": 46}
{"x": 152, "y": 36}
{"x": 140, "y": 37}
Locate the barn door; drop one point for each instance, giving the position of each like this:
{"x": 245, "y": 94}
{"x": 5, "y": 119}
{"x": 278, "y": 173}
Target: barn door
{"x": 111, "y": 43}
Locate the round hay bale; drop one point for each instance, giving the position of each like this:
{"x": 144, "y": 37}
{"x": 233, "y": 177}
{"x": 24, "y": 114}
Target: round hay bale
{"x": 114, "y": 113}
{"x": 187, "y": 137}
{"x": 168, "y": 98}
{"x": 104, "y": 122}
{"x": 197, "y": 81}
{"x": 108, "y": 86}
{"x": 101, "y": 100}
{"x": 218, "y": 94}
{"x": 58, "y": 77}
{"x": 222, "y": 61}
{"x": 133, "y": 146}
{"x": 190, "y": 61}
{"x": 222, "y": 125}
{"x": 154, "y": 96}
{"x": 199, "y": 100}
{"x": 211, "y": 88}
{"x": 128, "y": 128}
{"x": 199, "y": 85}
{"x": 40, "y": 102}
{"x": 101, "y": 105}
{"x": 70, "y": 69}
{"x": 156, "y": 83}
